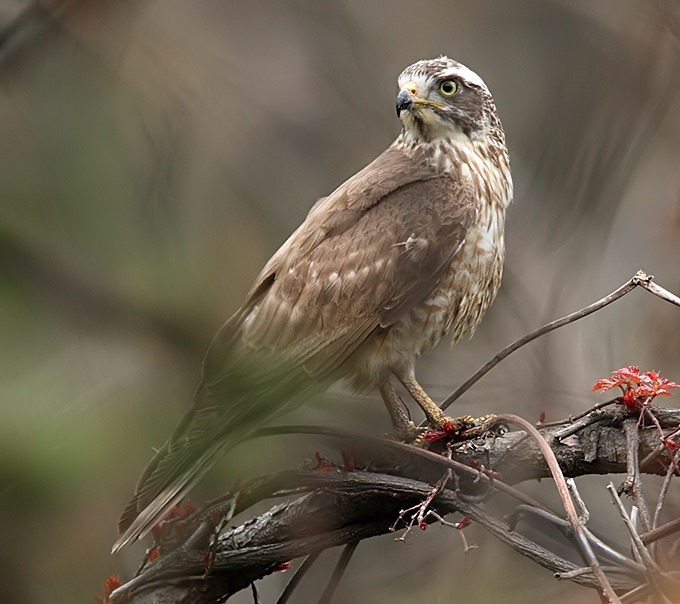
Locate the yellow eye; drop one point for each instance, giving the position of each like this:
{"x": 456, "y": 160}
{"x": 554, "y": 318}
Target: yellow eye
{"x": 448, "y": 88}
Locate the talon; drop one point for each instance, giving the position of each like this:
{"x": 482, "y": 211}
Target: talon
{"x": 455, "y": 427}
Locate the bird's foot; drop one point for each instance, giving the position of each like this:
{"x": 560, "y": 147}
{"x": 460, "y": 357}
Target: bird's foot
{"x": 406, "y": 432}
{"x": 465, "y": 427}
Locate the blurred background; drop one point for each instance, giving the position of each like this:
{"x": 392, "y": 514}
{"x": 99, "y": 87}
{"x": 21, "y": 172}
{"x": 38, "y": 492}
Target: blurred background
{"x": 154, "y": 154}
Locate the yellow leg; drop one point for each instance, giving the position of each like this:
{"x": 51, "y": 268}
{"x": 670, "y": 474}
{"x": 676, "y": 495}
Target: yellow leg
{"x": 432, "y": 411}
{"x": 435, "y": 416}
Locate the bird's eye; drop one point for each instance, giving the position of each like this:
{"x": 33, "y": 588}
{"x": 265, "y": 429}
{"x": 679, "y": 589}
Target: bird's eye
{"x": 448, "y": 88}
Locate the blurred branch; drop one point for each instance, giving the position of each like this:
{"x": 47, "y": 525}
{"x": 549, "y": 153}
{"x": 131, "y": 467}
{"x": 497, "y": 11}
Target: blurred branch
{"x": 28, "y": 27}
{"x": 22, "y": 28}
{"x": 83, "y": 295}
{"x": 332, "y": 506}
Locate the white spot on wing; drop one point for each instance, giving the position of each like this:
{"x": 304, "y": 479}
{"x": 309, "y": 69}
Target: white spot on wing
{"x": 411, "y": 241}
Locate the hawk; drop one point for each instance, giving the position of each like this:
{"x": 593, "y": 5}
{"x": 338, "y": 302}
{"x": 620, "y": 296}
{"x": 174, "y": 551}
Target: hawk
{"x": 407, "y": 250}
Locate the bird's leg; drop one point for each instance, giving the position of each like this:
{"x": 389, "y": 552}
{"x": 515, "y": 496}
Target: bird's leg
{"x": 402, "y": 426}
{"x": 434, "y": 414}
{"x": 432, "y": 411}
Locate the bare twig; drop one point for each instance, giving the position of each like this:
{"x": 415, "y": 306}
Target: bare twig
{"x": 633, "y": 485}
{"x": 662, "y": 494}
{"x": 565, "y": 528}
{"x": 297, "y": 577}
{"x": 577, "y": 416}
{"x": 420, "y": 510}
{"x": 584, "y": 514}
{"x": 658, "y": 450}
{"x": 403, "y": 448}
{"x": 241, "y": 557}
{"x": 579, "y": 424}
{"x": 636, "y": 595}
{"x": 654, "y": 547}
{"x": 664, "y": 530}
{"x": 635, "y": 538}
{"x": 638, "y": 279}
{"x": 563, "y": 490}
{"x": 659, "y": 291}
{"x": 338, "y": 572}
{"x": 216, "y": 530}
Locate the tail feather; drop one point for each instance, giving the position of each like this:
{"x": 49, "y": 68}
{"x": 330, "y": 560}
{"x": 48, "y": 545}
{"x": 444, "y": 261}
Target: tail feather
{"x": 139, "y": 518}
{"x": 221, "y": 416}
{"x": 203, "y": 435}
{"x": 240, "y": 391}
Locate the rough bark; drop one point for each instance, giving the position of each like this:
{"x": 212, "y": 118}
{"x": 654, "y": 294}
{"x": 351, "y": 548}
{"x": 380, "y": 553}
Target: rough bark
{"x": 330, "y": 506}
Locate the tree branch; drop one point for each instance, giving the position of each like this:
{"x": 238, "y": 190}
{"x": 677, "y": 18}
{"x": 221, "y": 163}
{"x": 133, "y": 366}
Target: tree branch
{"x": 331, "y": 506}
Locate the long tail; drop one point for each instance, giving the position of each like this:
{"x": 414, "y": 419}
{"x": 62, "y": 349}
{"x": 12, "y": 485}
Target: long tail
{"x": 222, "y": 415}
{"x": 204, "y": 434}
{"x": 241, "y": 390}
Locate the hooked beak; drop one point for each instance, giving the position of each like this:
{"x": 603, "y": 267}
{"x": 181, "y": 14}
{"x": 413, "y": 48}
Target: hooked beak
{"x": 408, "y": 98}
{"x": 404, "y": 101}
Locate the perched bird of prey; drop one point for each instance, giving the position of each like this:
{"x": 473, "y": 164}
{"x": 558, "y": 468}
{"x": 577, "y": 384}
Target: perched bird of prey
{"x": 407, "y": 250}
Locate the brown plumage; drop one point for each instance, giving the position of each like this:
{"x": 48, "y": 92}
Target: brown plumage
{"x": 408, "y": 249}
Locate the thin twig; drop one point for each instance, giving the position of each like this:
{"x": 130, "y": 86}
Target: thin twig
{"x": 217, "y": 528}
{"x": 297, "y": 577}
{"x": 638, "y": 279}
{"x": 584, "y": 514}
{"x": 420, "y": 510}
{"x": 652, "y": 455}
{"x": 639, "y": 546}
{"x": 646, "y": 412}
{"x": 633, "y": 485}
{"x": 572, "y": 515}
{"x": 403, "y": 448}
{"x": 578, "y": 425}
{"x": 658, "y": 291}
{"x": 564, "y": 526}
{"x": 659, "y": 504}
{"x": 572, "y": 425}
{"x": 586, "y": 570}
{"x": 573, "y": 418}
{"x": 636, "y": 595}
{"x": 662, "y": 494}
{"x": 664, "y": 530}
{"x": 338, "y": 572}
{"x": 661, "y": 448}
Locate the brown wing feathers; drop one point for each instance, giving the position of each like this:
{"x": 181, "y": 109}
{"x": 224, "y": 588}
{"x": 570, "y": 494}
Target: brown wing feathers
{"x": 365, "y": 255}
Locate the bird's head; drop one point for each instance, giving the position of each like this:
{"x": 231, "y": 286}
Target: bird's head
{"x": 441, "y": 99}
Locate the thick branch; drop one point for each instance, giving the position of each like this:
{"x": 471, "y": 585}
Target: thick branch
{"x": 343, "y": 507}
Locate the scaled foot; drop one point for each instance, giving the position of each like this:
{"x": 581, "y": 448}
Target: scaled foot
{"x": 406, "y": 432}
{"x": 464, "y": 427}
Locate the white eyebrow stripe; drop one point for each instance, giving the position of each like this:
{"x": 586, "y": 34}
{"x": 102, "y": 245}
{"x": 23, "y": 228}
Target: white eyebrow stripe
{"x": 466, "y": 74}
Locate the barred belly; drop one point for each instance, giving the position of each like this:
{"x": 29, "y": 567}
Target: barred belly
{"x": 457, "y": 304}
